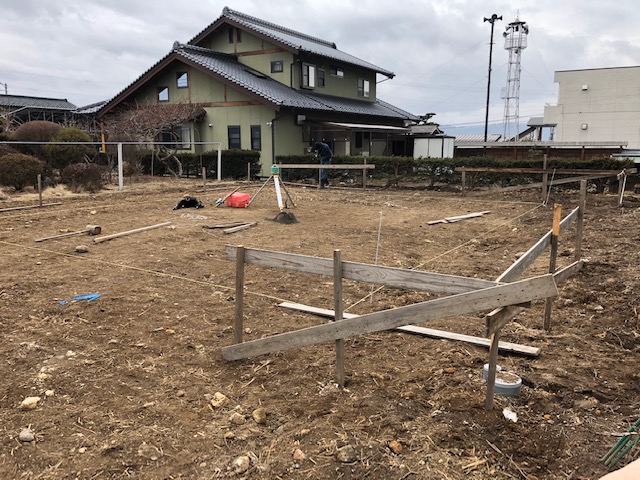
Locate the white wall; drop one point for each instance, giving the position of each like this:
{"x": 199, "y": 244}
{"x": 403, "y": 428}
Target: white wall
{"x": 597, "y": 105}
{"x": 433, "y": 147}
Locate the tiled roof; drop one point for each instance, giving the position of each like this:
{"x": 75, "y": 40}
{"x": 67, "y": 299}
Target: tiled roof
{"x": 227, "y": 66}
{"x": 291, "y": 38}
{"x": 89, "y": 109}
{"x": 19, "y": 101}
{"x": 492, "y": 137}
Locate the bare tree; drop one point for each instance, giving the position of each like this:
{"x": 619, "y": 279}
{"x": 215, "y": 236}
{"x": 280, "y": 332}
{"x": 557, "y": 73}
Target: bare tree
{"x": 148, "y": 123}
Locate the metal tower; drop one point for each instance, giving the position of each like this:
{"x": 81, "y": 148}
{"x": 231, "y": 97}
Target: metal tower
{"x": 515, "y": 40}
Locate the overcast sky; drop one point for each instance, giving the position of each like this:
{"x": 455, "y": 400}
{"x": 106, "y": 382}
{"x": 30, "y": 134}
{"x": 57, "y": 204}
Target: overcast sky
{"x": 89, "y": 50}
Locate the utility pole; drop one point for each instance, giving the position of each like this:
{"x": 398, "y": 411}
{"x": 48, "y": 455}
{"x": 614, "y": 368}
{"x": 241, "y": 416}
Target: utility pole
{"x": 491, "y": 20}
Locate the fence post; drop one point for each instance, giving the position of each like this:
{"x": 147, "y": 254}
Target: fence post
{"x": 580, "y": 220}
{"x": 491, "y": 375}
{"x": 238, "y": 324}
{"x": 555, "y": 231}
{"x": 337, "y": 297}
{"x": 120, "y": 168}
{"x": 204, "y": 178}
{"x": 545, "y": 178}
{"x": 40, "y": 189}
{"x": 464, "y": 182}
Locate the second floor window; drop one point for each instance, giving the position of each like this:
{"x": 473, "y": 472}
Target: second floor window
{"x": 363, "y": 88}
{"x": 320, "y": 78}
{"x": 182, "y": 80}
{"x": 235, "y": 35}
{"x": 308, "y": 75}
{"x": 277, "y": 66}
{"x": 163, "y": 94}
{"x": 336, "y": 71}
{"x": 234, "y": 136}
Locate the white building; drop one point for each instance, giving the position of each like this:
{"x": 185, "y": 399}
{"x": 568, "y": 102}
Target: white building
{"x": 597, "y": 106}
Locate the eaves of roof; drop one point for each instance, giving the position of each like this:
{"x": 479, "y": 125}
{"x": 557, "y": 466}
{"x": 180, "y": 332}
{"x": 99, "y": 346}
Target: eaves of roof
{"x": 19, "y": 101}
{"x": 290, "y": 39}
{"x": 227, "y": 69}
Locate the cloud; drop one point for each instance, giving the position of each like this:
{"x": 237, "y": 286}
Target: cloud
{"x": 90, "y": 50}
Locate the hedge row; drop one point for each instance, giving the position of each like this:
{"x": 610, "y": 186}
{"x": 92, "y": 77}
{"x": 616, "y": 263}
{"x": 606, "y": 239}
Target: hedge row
{"x": 234, "y": 163}
{"x": 396, "y": 170}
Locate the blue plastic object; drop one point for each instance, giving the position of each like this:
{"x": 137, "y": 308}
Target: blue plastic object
{"x": 89, "y": 297}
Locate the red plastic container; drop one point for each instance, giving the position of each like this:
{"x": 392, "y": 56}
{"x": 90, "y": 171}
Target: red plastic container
{"x": 238, "y": 200}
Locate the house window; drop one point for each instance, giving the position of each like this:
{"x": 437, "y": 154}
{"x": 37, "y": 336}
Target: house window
{"x": 178, "y": 137}
{"x": 238, "y": 35}
{"x": 308, "y": 75}
{"x": 182, "y": 80}
{"x": 256, "y": 138}
{"x": 336, "y": 71}
{"x": 320, "y": 78}
{"x": 277, "y": 66}
{"x": 363, "y": 88}
{"x": 163, "y": 94}
{"x": 234, "y": 136}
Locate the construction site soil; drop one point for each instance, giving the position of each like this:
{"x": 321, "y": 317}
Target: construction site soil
{"x": 120, "y": 341}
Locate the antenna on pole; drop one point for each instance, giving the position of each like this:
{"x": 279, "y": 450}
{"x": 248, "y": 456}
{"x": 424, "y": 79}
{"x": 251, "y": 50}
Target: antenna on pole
{"x": 6, "y": 88}
{"x": 515, "y": 40}
{"x": 491, "y": 20}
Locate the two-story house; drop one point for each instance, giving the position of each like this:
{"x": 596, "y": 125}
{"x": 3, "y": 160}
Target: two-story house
{"x": 265, "y": 87}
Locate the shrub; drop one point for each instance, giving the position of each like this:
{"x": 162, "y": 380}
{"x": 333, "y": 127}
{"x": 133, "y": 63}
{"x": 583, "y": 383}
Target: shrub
{"x": 35, "y": 131}
{"x": 18, "y": 170}
{"x": 63, "y": 155}
{"x": 83, "y": 177}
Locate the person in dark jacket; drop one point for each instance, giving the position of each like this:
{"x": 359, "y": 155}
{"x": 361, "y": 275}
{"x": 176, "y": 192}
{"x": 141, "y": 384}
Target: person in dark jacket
{"x": 323, "y": 151}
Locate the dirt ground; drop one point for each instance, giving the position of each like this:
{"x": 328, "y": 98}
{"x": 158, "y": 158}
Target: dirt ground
{"x": 128, "y": 381}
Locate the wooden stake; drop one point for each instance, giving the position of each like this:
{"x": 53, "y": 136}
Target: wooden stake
{"x": 337, "y": 300}
{"x": 545, "y": 179}
{"x": 491, "y": 376}
{"x": 464, "y": 183}
{"x": 130, "y": 232}
{"x": 239, "y": 318}
{"x": 580, "y": 219}
{"x": 204, "y": 179}
{"x": 39, "y": 189}
{"x": 555, "y": 232}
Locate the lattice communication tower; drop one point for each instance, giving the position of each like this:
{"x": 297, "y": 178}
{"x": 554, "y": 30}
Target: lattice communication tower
{"x": 515, "y": 41}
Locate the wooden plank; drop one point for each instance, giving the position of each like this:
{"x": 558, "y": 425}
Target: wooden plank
{"x": 556, "y": 181}
{"x": 558, "y": 171}
{"x": 244, "y": 226}
{"x": 130, "y": 232}
{"x": 499, "y": 317}
{"x": 331, "y": 166}
{"x": 461, "y": 304}
{"x": 458, "y": 218}
{"x": 520, "y": 265}
{"x": 224, "y": 225}
{"x": 390, "y": 276}
{"x": 28, "y": 207}
{"x": 427, "y": 332}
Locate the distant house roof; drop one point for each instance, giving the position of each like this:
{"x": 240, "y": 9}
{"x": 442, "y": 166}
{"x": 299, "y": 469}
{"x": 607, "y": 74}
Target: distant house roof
{"x": 226, "y": 68}
{"x": 90, "y": 109}
{"x": 35, "y": 103}
{"x": 287, "y": 38}
{"x": 426, "y": 130}
{"x": 494, "y": 137}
